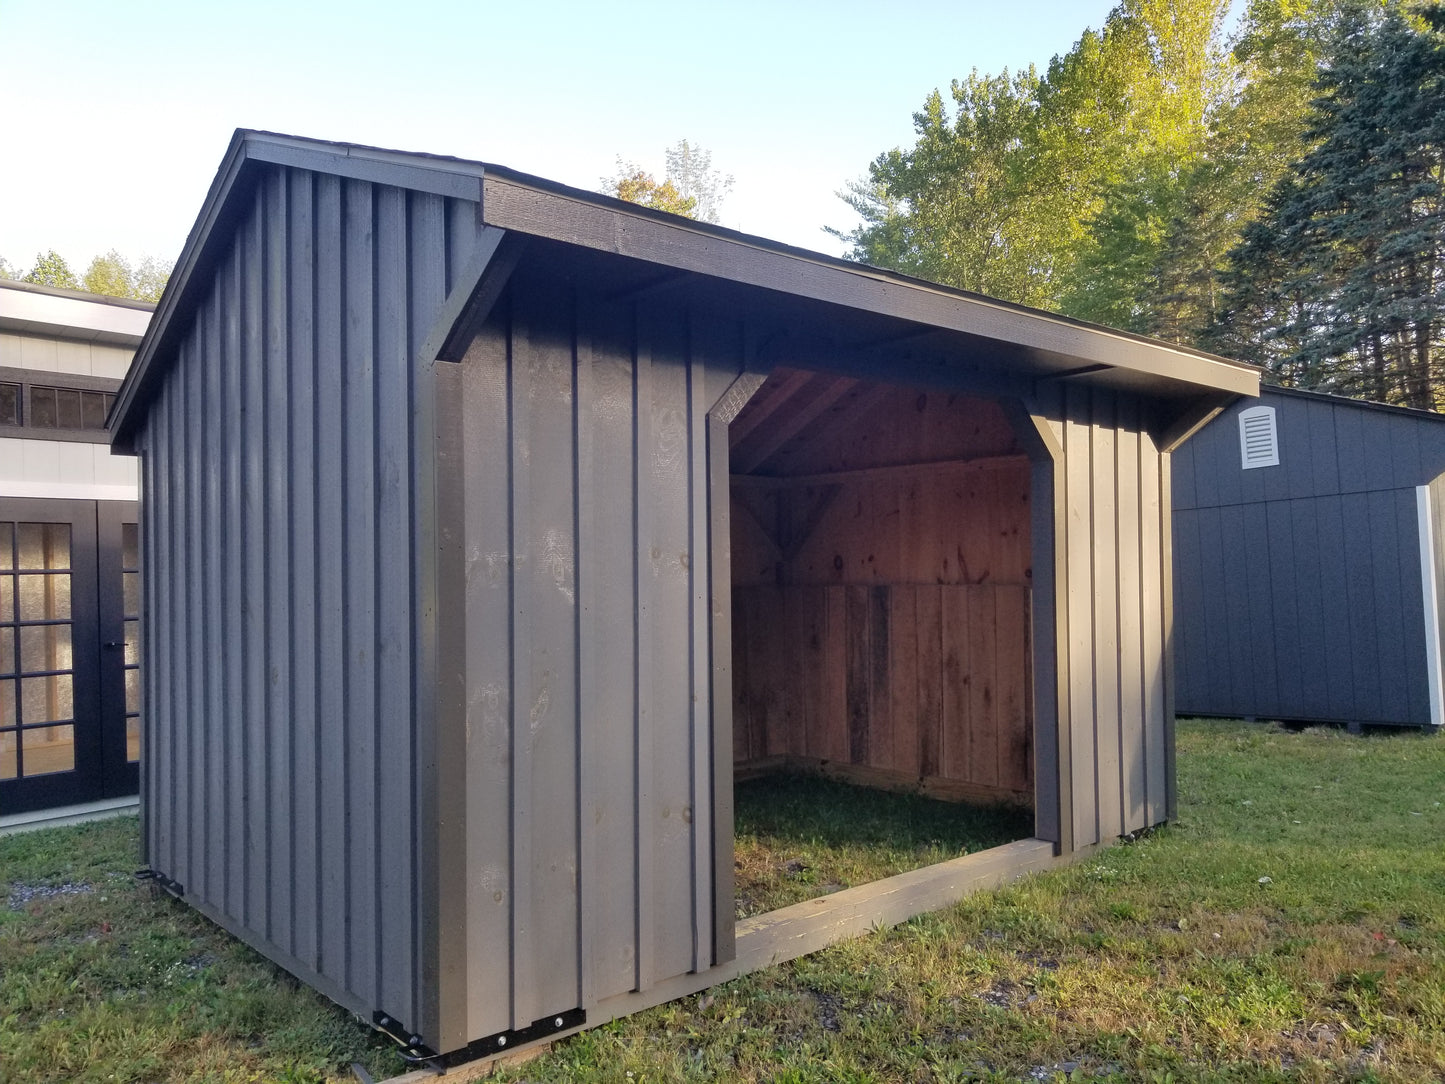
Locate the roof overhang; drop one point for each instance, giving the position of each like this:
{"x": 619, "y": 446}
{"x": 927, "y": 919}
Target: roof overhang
{"x": 1043, "y": 346}
{"x": 70, "y": 314}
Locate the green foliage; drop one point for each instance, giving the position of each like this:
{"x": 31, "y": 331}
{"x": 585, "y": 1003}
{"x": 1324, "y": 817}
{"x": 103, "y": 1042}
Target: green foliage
{"x": 636, "y": 185}
{"x": 110, "y": 275}
{"x": 1340, "y": 284}
{"x": 51, "y": 270}
{"x": 1030, "y": 184}
{"x": 1276, "y": 197}
{"x": 113, "y": 276}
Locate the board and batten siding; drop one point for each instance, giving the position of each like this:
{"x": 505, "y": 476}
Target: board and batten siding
{"x": 587, "y": 616}
{"x": 1299, "y": 586}
{"x": 1106, "y": 565}
{"x": 287, "y": 580}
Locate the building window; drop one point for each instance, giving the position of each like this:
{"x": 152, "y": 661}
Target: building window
{"x": 65, "y": 407}
{"x": 1258, "y": 441}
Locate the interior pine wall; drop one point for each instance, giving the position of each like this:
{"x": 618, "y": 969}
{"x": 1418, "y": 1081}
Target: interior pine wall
{"x": 881, "y": 600}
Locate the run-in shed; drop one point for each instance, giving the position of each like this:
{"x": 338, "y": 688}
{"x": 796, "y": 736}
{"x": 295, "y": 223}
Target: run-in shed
{"x": 1309, "y": 562}
{"x": 488, "y": 522}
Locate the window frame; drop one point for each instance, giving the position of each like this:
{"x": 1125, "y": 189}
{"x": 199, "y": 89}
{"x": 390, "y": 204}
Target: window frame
{"x": 44, "y": 378}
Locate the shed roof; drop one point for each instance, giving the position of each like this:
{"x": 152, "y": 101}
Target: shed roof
{"x": 1350, "y": 401}
{"x": 1031, "y": 343}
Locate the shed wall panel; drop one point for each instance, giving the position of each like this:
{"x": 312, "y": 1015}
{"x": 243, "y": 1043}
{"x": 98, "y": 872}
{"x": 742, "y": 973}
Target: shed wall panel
{"x": 1114, "y": 529}
{"x": 554, "y": 375}
{"x": 1301, "y": 602}
{"x": 281, "y": 453}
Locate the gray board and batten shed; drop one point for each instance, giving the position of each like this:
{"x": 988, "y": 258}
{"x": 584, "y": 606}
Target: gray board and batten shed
{"x": 1308, "y": 562}
{"x": 443, "y": 470}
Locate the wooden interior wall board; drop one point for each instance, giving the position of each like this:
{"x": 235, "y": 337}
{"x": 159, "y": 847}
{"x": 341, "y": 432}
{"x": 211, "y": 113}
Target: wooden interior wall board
{"x": 802, "y": 410}
{"x": 742, "y": 681}
{"x": 858, "y": 665}
{"x": 794, "y": 624}
{"x": 811, "y": 448}
{"x": 982, "y": 663}
{"x": 902, "y": 471}
{"x": 755, "y": 556}
{"x": 780, "y": 386}
{"x": 835, "y": 683}
{"x": 880, "y": 678}
{"x": 889, "y": 779}
{"x": 1015, "y": 720}
{"x": 956, "y": 724}
{"x": 928, "y": 603}
{"x": 904, "y": 713}
{"x": 927, "y": 680}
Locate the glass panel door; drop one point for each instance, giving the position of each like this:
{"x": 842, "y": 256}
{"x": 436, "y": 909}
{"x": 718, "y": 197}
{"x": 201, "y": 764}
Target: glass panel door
{"x": 118, "y": 554}
{"x": 49, "y": 718}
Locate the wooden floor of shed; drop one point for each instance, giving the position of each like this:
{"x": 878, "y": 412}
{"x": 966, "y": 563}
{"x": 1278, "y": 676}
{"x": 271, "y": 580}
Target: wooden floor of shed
{"x": 799, "y": 836}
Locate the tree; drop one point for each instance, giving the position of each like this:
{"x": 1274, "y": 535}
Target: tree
{"x": 689, "y": 169}
{"x": 1340, "y": 285}
{"x": 690, "y": 187}
{"x": 51, "y": 270}
{"x": 1032, "y": 187}
{"x": 151, "y": 276}
{"x": 635, "y": 185}
{"x": 7, "y": 272}
{"x": 110, "y": 274}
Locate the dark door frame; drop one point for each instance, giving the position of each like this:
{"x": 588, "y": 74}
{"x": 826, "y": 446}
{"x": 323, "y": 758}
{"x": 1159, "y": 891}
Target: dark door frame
{"x": 98, "y": 672}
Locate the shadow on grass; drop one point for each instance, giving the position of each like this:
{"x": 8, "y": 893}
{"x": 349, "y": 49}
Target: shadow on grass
{"x": 799, "y": 836}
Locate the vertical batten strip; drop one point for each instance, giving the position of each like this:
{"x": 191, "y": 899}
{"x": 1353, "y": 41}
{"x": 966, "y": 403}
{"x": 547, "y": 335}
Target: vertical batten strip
{"x": 434, "y": 981}
{"x": 1431, "y": 603}
{"x": 720, "y": 797}
{"x": 359, "y": 464}
{"x": 1134, "y": 717}
{"x": 1078, "y": 469}
{"x": 699, "y": 573}
{"x": 251, "y": 356}
{"x": 1166, "y": 594}
{"x": 589, "y": 679}
{"x": 642, "y": 641}
{"x": 212, "y": 684}
{"x": 524, "y": 982}
{"x": 394, "y": 388}
{"x": 1154, "y": 573}
{"x": 487, "y": 563}
{"x": 331, "y": 717}
{"x": 301, "y": 533}
{"x": 228, "y": 450}
{"x": 1107, "y": 715}
{"x": 278, "y": 564}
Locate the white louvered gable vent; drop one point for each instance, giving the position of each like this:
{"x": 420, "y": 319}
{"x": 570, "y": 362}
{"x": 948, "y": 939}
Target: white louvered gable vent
{"x": 1258, "y": 442}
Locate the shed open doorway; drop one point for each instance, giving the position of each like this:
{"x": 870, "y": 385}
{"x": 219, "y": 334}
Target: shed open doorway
{"x": 881, "y": 578}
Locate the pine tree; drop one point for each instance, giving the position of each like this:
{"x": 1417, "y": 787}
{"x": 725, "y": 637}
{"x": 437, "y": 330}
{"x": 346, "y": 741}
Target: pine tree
{"x": 1340, "y": 285}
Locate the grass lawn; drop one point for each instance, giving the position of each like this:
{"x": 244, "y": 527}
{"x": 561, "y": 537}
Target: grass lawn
{"x": 1290, "y": 926}
{"x": 105, "y": 979}
{"x": 800, "y": 836}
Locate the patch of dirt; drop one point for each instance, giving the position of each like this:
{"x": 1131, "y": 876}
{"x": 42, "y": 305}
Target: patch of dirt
{"x": 23, "y": 894}
{"x": 829, "y": 1006}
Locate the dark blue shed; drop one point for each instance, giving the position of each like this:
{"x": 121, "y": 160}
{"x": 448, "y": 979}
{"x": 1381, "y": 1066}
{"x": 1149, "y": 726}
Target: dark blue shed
{"x": 1308, "y": 562}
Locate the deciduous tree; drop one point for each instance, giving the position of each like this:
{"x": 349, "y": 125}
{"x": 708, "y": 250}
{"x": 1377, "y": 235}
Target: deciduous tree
{"x": 51, "y": 270}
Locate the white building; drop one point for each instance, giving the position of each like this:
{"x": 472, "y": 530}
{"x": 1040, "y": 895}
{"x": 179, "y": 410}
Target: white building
{"x": 69, "y": 587}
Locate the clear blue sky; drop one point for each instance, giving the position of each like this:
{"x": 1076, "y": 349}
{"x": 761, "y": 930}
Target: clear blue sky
{"x": 116, "y": 114}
